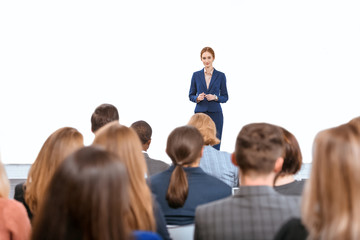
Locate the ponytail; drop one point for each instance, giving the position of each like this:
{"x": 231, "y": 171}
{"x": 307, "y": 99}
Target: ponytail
{"x": 178, "y": 188}
{"x": 184, "y": 146}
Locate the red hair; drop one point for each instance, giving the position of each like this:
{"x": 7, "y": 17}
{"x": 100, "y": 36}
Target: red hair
{"x": 209, "y": 50}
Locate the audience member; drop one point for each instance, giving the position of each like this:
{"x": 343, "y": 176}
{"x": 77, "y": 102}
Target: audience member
{"x": 285, "y": 182}
{"x": 256, "y": 211}
{"x": 144, "y": 210}
{"x": 213, "y": 161}
{"x": 102, "y": 115}
{"x": 56, "y": 148}
{"x": 87, "y": 199}
{"x": 144, "y": 132}
{"x": 184, "y": 186}
{"x": 330, "y": 206}
{"x": 355, "y": 121}
{"x": 14, "y": 222}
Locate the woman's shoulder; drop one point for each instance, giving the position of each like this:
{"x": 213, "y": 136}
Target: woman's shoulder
{"x": 218, "y": 72}
{"x": 10, "y": 204}
{"x": 12, "y": 209}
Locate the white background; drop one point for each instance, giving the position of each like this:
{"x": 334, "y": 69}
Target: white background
{"x": 291, "y": 63}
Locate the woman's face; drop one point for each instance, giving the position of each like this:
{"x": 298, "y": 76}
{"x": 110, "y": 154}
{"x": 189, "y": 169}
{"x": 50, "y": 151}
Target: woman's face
{"x": 207, "y": 59}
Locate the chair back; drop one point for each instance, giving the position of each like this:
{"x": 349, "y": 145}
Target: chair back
{"x": 181, "y": 232}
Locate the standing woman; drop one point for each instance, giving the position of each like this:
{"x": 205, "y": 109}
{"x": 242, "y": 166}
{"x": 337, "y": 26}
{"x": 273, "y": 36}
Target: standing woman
{"x": 208, "y": 90}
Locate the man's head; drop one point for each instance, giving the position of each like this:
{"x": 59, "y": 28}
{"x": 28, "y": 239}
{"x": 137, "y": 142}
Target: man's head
{"x": 144, "y": 132}
{"x": 259, "y": 149}
{"x": 102, "y": 115}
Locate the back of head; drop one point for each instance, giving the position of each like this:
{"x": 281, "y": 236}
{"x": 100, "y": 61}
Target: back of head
{"x": 56, "y": 148}
{"x": 355, "y": 122}
{"x": 4, "y": 182}
{"x": 331, "y": 198}
{"x": 184, "y": 147}
{"x": 206, "y": 126}
{"x": 258, "y": 146}
{"x": 102, "y": 115}
{"x": 87, "y": 199}
{"x": 125, "y": 143}
{"x": 292, "y": 158}
{"x": 143, "y": 130}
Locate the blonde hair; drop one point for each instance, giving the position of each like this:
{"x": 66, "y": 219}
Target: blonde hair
{"x": 331, "y": 208}
{"x": 4, "y": 182}
{"x": 125, "y": 143}
{"x": 206, "y": 126}
{"x": 56, "y": 148}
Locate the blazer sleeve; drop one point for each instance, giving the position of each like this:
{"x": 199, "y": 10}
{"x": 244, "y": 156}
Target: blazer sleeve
{"x": 223, "y": 91}
{"x": 193, "y": 89}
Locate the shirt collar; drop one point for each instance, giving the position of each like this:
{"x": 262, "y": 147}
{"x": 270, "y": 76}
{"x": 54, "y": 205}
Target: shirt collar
{"x": 211, "y": 72}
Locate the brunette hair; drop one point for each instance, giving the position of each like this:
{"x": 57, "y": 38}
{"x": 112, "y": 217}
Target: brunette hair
{"x": 4, "y": 182}
{"x": 125, "y": 143}
{"x": 330, "y": 207}
{"x": 102, "y": 115}
{"x": 87, "y": 199}
{"x": 292, "y": 157}
{"x": 184, "y": 146}
{"x": 143, "y": 130}
{"x": 206, "y": 126}
{"x": 258, "y": 146}
{"x": 56, "y": 148}
{"x": 209, "y": 50}
{"x": 355, "y": 122}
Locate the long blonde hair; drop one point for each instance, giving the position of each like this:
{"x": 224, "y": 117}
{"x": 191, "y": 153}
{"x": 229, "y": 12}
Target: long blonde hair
{"x": 56, "y": 148}
{"x": 125, "y": 143}
{"x": 4, "y": 182}
{"x": 331, "y": 208}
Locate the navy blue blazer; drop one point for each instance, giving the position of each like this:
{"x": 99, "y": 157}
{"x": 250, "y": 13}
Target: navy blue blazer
{"x": 203, "y": 188}
{"x": 217, "y": 87}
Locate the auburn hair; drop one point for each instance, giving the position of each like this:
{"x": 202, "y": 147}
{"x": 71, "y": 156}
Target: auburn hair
{"x": 87, "y": 199}
{"x": 209, "y": 50}
{"x": 125, "y": 143}
{"x": 292, "y": 156}
{"x": 56, "y": 148}
{"x": 330, "y": 207}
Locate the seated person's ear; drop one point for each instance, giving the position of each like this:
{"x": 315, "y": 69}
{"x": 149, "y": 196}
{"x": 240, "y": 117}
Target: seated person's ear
{"x": 278, "y": 164}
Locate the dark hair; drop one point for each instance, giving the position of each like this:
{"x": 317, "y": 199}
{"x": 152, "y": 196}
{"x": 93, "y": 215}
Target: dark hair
{"x": 292, "y": 157}
{"x": 143, "y": 130}
{"x": 184, "y": 146}
{"x": 209, "y": 50}
{"x": 258, "y": 146}
{"x": 102, "y": 115}
{"x": 86, "y": 199}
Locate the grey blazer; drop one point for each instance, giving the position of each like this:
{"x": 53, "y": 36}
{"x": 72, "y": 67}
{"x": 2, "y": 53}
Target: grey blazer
{"x": 155, "y": 166}
{"x": 254, "y": 212}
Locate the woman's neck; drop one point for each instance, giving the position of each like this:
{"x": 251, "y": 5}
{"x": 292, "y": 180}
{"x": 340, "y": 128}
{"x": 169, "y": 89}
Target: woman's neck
{"x": 209, "y": 69}
{"x": 282, "y": 180}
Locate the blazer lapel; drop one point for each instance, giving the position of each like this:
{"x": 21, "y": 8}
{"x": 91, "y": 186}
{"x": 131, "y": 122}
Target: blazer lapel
{"x": 213, "y": 78}
{"x": 202, "y": 77}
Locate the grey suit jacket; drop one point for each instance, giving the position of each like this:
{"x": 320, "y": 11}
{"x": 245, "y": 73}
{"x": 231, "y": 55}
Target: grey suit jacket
{"x": 155, "y": 166}
{"x": 254, "y": 212}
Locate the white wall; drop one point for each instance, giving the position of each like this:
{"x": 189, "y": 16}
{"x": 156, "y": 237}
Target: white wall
{"x": 292, "y": 63}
